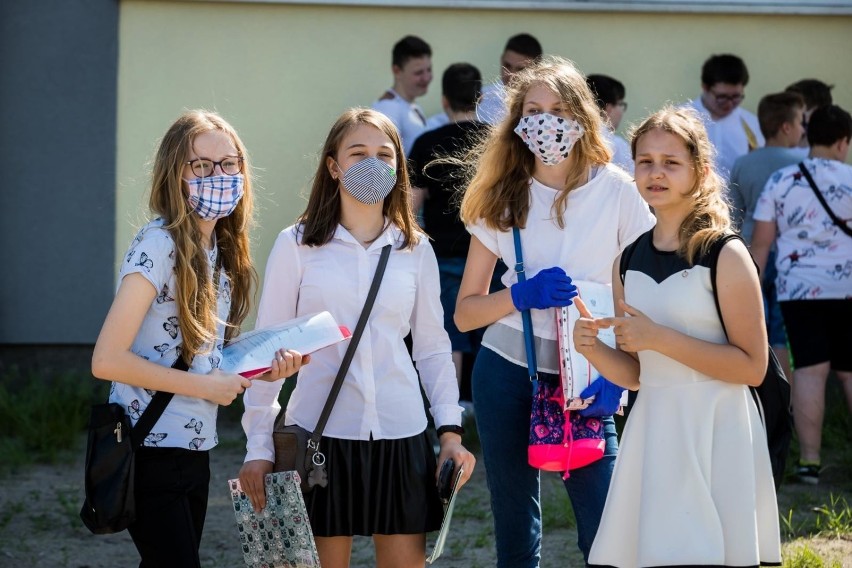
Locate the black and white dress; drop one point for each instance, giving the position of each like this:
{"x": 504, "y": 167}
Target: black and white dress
{"x": 692, "y": 483}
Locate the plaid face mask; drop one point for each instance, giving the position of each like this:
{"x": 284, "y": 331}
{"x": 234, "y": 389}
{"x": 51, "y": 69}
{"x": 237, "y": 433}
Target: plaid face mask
{"x": 549, "y": 137}
{"x": 215, "y": 197}
{"x": 370, "y": 180}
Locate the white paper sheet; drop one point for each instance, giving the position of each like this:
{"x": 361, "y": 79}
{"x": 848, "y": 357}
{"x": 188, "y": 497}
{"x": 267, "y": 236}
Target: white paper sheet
{"x": 576, "y": 371}
{"x": 251, "y": 353}
{"x": 445, "y": 523}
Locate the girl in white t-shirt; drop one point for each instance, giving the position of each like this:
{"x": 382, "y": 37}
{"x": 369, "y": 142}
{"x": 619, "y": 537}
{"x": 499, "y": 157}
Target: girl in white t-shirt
{"x": 381, "y": 465}
{"x": 184, "y": 289}
{"x": 545, "y": 169}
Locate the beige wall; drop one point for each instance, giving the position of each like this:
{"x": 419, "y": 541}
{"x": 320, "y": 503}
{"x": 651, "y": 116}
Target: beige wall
{"x": 282, "y": 73}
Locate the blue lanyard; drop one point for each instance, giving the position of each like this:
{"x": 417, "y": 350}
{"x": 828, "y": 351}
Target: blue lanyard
{"x": 529, "y": 339}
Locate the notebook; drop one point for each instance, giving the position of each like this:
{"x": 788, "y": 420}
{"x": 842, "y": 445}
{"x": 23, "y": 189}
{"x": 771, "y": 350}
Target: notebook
{"x": 279, "y": 536}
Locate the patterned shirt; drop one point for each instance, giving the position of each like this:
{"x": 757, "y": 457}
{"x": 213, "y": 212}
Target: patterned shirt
{"x": 187, "y": 422}
{"x": 814, "y": 256}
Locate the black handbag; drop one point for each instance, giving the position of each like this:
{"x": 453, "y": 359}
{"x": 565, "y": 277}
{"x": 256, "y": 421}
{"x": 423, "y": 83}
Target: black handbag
{"x": 298, "y": 449}
{"x": 109, "y": 480}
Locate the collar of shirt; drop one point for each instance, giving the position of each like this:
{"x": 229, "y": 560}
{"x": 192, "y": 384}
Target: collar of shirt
{"x": 391, "y": 235}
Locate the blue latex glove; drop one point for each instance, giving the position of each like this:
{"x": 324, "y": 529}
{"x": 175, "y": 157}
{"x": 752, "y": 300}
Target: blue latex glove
{"x": 607, "y": 398}
{"x": 550, "y": 288}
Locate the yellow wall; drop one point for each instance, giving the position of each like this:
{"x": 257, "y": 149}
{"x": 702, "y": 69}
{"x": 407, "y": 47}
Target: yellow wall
{"x": 282, "y": 73}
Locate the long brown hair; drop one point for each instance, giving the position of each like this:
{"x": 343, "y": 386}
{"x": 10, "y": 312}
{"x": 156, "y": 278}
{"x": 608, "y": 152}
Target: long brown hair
{"x": 322, "y": 215}
{"x": 498, "y": 191}
{"x": 710, "y": 217}
{"x": 195, "y": 294}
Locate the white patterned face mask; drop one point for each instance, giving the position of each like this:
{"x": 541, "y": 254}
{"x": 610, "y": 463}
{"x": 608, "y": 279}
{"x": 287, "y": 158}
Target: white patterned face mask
{"x": 215, "y": 197}
{"x": 369, "y": 181}
{"x": 549, "y": 137}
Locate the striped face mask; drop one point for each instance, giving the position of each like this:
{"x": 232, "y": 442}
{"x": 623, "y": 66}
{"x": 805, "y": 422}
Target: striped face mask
{"x": 370, "y": 180}
{"x": 215, "y": 197}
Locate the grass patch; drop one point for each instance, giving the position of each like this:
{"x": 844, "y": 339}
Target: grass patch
{"x": 803, "y": 556}
{"x": 42, "y": 415}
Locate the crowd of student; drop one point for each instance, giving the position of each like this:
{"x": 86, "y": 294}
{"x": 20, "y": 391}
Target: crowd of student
{"x": 529, "y": 163}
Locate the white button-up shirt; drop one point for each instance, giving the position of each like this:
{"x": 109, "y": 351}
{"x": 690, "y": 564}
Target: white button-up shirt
{"x": 380, "y": 397}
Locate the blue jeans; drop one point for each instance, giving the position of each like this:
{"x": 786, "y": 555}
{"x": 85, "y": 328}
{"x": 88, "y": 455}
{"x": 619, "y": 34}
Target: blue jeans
{"x": 775, "y": 329}
{"x": 502, "y": 395}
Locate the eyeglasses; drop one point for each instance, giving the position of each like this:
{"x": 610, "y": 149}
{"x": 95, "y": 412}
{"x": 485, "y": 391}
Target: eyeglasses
{"x": 202, "y": 167}
{"x": 738, "y": 98}
{"x": 622, "y": 105}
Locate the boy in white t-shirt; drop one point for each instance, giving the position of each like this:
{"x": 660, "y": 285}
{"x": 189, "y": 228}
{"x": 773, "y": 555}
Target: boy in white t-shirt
{"x": 412, "y": 72}
{"x": 520, "y": 52}
{"x": 609, "y": 95}
{"x": 814, "y": 263}
{"x": 733, "y": 130}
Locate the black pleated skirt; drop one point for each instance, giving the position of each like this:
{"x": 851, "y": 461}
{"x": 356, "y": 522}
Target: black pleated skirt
{"x": 376, "y": 487}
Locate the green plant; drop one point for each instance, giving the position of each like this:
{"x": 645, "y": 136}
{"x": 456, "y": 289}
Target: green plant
{"x": 790, "y": 527}
{"x": 834, "y": 519}
{"x": 42, "y": 415}
{"x": 803, "y": 556}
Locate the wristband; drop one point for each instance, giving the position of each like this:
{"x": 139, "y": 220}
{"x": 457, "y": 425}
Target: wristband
{"x": 450, "y": 428}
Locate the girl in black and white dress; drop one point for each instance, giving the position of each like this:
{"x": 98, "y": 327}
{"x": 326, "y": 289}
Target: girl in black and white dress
{"x": 692, "y": 484}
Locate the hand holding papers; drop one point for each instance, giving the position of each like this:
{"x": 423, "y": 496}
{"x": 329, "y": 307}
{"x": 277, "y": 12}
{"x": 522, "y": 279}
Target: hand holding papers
{"x": 575, "y": 370}
{"x": 251, "y": 354}
{"x": 449, "y": 499}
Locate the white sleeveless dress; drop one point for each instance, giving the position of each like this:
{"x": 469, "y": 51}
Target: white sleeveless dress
{"x": 692, "y": 484}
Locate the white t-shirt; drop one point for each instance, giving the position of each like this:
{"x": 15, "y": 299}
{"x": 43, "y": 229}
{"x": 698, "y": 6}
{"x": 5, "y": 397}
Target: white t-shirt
{"x": 601, "y": 218}
{"x": 492, "y": 105}
{"x": 187, "y": 422}
{"x": 621, "y": 153}
{"x": 814, "y": 258}
{"x": 380, "y": 397}
{"x": 730, "y": 135}
{"x": 408, "y": 117}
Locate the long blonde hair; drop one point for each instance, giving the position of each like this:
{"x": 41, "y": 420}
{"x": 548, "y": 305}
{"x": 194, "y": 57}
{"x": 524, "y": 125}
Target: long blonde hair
{"x": 501, "y": 164}
{"x": 710, "y": 216}
{"x": 322, "y": 215}
{"x": 196, "y": 294}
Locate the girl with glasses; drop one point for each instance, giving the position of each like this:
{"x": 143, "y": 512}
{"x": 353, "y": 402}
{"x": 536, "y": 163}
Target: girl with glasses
{"x": 381, "y": 465}
{"x": 184, "y": 289}
{"x": 546, "y": 170}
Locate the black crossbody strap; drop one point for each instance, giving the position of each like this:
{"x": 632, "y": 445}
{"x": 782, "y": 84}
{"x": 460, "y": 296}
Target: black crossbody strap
{"x": 154, "y": 410}
{"x": 353, "y": 344}
{"x": 834, "y": 218}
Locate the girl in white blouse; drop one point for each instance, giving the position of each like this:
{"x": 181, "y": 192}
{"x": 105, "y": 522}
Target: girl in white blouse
{"x": 381, "y": 466}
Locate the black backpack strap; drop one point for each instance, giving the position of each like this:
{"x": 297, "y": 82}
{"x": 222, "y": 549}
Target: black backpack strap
{"x": 713, "y": 257}
{"x": 834, "y": 218}
{"x": 624, "y": 261}
{"x": 155, "y": 409}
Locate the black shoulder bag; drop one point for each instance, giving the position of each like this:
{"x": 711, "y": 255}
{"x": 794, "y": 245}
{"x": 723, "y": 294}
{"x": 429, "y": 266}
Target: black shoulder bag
{"x": 772, "y": 396}
{"x": 834, "y": 218}
{"x": 296, "y": 448}
{"x": 110, "y": 506}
